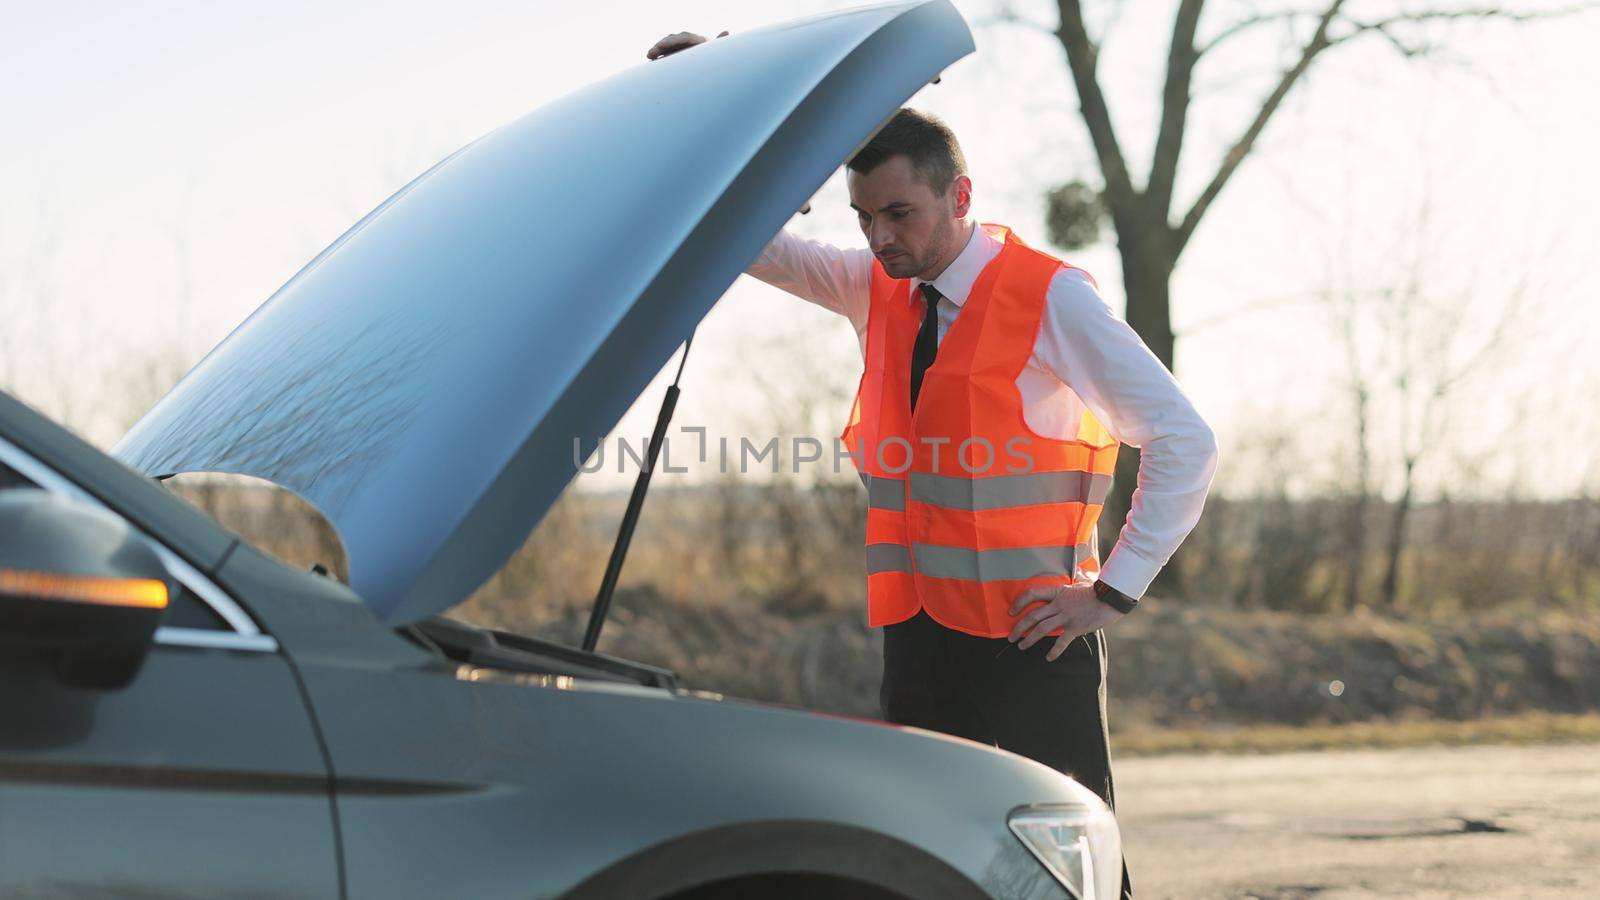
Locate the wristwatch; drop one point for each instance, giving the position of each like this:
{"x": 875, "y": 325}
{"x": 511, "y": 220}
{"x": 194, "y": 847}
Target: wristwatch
{"x": 1114, "y": 598}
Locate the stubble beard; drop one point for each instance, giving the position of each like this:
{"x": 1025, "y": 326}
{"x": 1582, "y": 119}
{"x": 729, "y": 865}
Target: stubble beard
{"x": 938, "y": 245}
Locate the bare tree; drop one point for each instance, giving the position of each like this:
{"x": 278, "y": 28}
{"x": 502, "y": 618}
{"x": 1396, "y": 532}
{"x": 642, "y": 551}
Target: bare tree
{"x": 40, "y": 349}
{"x": 815, "y": 512}
{"x": 1360, "y": 388}
{"x": 1411, "y": 347}
{"x": 1151, "y": 225}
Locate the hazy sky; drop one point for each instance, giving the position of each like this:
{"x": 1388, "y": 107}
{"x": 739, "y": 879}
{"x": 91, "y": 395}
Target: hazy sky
{"x": 168, "y": 165}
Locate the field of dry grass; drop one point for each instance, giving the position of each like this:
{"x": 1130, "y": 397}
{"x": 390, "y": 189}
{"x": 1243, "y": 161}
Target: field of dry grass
{"x": 1179, "y": 672}
{"x": 757, "y": 595}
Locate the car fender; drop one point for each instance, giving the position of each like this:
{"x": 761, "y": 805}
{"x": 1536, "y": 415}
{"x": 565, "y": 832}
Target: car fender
{"x": 759, "y": 848}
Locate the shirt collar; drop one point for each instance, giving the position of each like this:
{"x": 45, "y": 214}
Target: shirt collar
{"x": 956, "y": 281}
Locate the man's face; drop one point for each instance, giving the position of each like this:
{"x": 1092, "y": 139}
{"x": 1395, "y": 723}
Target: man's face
{"x": 909, "y": 226}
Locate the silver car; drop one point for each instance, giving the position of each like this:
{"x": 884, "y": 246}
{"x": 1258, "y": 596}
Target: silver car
{"x": 185, "y": 716}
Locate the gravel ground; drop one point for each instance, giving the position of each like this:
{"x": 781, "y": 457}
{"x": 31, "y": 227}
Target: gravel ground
{"x": 1485, "y": 821}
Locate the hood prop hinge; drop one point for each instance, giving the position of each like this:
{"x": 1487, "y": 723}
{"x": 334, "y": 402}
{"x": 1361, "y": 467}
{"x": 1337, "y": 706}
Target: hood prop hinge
{"x": 608, "y": 584}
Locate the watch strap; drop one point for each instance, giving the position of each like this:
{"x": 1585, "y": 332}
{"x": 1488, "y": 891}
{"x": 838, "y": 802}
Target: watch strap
{"x": 1114, "y": 598}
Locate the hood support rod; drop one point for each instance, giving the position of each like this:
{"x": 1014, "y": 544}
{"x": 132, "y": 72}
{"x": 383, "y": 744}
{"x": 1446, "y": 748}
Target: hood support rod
{"x": 608, "y": 584}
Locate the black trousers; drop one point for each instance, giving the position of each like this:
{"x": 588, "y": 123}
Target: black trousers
{"x": 985, "y": 689}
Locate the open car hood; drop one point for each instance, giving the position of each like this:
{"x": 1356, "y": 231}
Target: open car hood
{"x": 423, "y": 380}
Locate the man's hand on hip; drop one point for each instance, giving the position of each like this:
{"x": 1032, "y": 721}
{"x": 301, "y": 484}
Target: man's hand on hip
{"x": 1073, "y": 608}
{"x": 672, "y": 43}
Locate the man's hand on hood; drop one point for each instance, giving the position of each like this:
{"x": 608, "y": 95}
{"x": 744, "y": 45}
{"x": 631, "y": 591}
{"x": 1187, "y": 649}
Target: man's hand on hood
{"x": 672, "y": 43}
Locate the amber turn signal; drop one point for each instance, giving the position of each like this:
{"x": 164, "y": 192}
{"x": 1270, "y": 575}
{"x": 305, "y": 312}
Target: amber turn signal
{"x": 146, "y": 593}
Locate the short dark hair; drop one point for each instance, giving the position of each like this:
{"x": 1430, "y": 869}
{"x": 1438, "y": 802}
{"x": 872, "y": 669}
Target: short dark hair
{"x": 923, "y": 139}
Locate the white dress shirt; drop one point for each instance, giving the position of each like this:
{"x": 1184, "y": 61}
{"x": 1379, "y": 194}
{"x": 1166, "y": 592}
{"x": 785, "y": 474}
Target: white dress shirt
{"x": 1084, "y": 356}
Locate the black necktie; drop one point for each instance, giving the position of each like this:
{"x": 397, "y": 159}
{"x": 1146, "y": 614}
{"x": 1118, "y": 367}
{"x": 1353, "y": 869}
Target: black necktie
{"x": 927, "y": 345}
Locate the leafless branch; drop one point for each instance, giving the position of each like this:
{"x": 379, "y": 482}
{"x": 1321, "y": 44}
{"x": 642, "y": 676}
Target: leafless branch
{"x": 1252, "y": 22}
{"x": 1322, "y": 38}
{"x": 1386, "y": 27}
{"x": 1241, "y": 148}
{"x": 1181, "y": 59}
{"x": 1082, "y": 58}
{"x": 1494, "y": 341}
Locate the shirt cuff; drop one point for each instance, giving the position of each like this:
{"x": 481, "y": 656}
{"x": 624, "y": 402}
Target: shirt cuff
{"x": 1128, "y": 572}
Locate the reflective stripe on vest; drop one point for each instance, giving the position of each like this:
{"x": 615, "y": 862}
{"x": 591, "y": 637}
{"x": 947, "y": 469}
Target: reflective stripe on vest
{"x": 888, "y": 558}
{"x": 998, "y": 491}
{"x": 961, "y": 534}
{"x": 1009, "y": 564}
{"x": 884, "y": 492}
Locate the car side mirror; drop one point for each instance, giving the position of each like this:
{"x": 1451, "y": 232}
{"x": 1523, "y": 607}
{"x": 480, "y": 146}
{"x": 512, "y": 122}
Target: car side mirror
{"x": 80, "y": 591}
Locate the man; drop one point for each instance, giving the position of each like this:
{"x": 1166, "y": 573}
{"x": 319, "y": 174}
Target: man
{"x": 989, "y": 370}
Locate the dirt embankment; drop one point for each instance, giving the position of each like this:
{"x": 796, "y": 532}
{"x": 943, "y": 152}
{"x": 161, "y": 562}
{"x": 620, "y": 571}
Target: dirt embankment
{"x": 1182, "y": 667}
{"x": 1171, "y": 666}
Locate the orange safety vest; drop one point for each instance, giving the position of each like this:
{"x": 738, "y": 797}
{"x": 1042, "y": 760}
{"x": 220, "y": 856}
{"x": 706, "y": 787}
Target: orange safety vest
{"x": 966, "y": 506}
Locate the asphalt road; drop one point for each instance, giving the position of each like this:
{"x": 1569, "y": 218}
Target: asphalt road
{"x": 1502, "y": 821}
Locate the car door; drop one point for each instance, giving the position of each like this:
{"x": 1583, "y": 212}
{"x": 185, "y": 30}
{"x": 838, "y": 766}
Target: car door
{"x": 203, "y": 778}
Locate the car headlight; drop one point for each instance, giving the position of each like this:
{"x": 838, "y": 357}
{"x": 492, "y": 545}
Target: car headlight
{"x": 1080, "y": 845}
